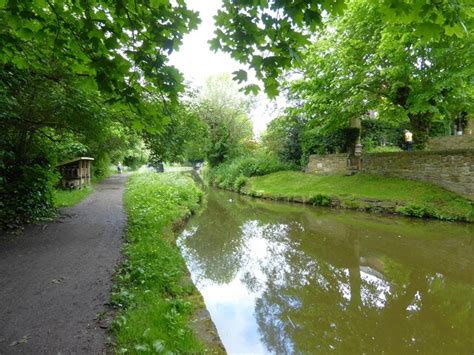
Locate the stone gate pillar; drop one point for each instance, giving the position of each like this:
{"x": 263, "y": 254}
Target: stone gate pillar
{"x": 354, "y": 160}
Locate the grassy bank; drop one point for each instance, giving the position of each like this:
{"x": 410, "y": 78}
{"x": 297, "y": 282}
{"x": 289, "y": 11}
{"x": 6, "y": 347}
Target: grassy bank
{"x": 155, "y": 297}
{"x": 68, "y": 198}
{"x": 363, "y": 192}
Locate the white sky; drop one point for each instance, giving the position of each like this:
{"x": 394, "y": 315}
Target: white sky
{"x": 197, "y": 62}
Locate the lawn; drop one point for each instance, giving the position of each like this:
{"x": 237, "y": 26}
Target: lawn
{"x": 362, "y": 191}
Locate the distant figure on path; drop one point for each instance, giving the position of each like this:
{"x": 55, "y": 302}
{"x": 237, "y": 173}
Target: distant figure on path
{"x": 119, "y": 168}
{"x": 408, "y": 140}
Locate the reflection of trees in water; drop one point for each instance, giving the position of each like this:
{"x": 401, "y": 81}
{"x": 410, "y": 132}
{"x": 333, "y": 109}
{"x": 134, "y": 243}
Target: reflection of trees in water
{"x": 218, "y": 247}
{"x": 317, "y": 307}
{"x": 312, "y": 297}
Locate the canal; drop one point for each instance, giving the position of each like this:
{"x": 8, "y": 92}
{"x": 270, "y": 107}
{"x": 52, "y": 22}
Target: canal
{"x": 284, "y": 278}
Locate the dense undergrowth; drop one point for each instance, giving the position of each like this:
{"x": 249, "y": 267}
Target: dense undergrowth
{"x": 364, "y": 192}
{"x": 233, "y": 174}
{"x": 153, "y": 294}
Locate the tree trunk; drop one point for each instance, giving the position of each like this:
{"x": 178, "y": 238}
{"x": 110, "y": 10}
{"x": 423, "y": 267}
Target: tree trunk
{"x": 421, "y": 124}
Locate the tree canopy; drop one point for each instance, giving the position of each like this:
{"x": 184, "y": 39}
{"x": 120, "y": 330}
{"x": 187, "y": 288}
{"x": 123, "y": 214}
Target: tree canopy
{"x": 362, "y": 65}
{"x": 224, "y": 110}
{"x": 269, "y": 36}
{"x": 120, "y": 47}
{"x": 81, "y": 77}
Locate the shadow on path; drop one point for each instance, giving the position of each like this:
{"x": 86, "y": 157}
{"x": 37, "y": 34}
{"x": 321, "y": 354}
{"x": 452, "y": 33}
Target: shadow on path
{"x": 56, "y": 279}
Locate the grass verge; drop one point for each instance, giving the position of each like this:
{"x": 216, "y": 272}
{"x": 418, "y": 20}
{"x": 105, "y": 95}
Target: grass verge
{"x": 156, "y": 301}
{"x": 363, "y": 192}
{"x": 68, "y": 198}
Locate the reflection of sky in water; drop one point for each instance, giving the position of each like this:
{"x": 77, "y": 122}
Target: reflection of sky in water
{"x": 274, "y": 281}
{"x": 382, "y": 290}
{"x": 232, "y": 309}
{"x": 232, "y": 305}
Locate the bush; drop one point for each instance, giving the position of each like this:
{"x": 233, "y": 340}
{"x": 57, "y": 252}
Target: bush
{"x": 232, "y": 174}
{"x": 100, "y": 166}
{"x": 26, "y": 194}
{"x": 240, "y": 182}
{"x": 320, "y": 200}
{"x": 417, "y": 211}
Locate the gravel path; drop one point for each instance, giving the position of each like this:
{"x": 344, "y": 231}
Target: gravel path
{"x": 56, "y": 278}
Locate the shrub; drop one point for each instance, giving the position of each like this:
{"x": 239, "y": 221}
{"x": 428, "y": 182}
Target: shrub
{"x": 417, "y": 211}
{"x": 240, "y": 182}
{"x": 232, "y": 174}
{"x": 320, "y": 200}
{"x": 26, "y": 194}
{"x": 100, "y": 166}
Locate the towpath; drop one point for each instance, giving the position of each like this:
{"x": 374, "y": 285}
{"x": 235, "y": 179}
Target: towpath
{"x": 56, "y": 278}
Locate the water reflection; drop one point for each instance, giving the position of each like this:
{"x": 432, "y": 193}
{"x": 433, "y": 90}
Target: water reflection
{"x": 280, "y": 278}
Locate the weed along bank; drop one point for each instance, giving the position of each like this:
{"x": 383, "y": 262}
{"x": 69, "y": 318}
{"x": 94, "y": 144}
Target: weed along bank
{"x": 159, "y": 309}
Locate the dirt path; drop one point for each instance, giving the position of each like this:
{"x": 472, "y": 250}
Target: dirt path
{"x": 55, "y": 280}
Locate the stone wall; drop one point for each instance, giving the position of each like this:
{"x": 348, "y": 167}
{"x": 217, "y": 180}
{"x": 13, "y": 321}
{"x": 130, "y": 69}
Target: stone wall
{"x": 327, "y": 164}
{"x": 451, "y": 142}
{"x": 451, "y": 169}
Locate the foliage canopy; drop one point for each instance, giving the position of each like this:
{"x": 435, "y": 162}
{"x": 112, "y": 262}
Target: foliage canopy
{"x": 269, "y": 35}
{"x": 115, "y": 46}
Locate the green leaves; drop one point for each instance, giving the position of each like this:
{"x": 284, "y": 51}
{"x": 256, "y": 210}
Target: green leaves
{"x": 456, "y": 30}
{"x": 95, "y": 33}
{"x": 240, "y": 76}
{"x": 404, "y": 70}
{"x": 251, "y": 89}
{"x": 252, "y": 31}
{"x": 427, "y": 31}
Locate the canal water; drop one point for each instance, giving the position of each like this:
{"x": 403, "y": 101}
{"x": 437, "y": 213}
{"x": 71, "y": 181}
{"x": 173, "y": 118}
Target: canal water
{"x": 292, "y": 279}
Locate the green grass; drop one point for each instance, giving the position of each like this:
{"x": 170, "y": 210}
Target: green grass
{"x": 365, "y": 192}
{"x": 153, "y": 293}
{"x": 68, "y": 198}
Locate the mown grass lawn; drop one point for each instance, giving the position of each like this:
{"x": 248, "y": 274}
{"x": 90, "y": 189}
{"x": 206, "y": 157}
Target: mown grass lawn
{"x": 153, "y": 293}
{"x": 412, "y": 197}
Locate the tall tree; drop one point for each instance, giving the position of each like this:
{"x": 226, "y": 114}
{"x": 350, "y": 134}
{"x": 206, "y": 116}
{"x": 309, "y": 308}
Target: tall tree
{"x": 225, "y": 112}
{"x": 362, "y": 64}
{"x": 269, "y": 36}
{"x": 81, "y": 71}
{"x": 282, "y": 137}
